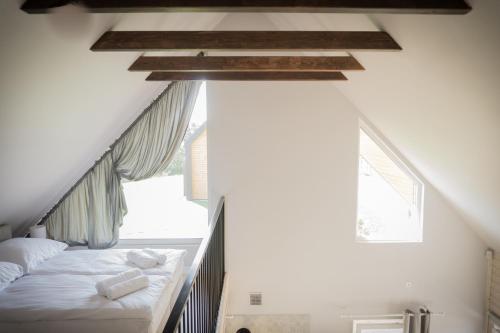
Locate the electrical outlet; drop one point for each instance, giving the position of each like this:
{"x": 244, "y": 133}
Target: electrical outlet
{"x": 255, "y": 298}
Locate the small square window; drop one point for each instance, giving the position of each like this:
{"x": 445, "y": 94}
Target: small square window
{"x": 390, "y": 196}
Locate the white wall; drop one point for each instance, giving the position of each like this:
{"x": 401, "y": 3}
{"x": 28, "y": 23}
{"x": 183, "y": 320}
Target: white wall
{"x": 437, "y": 99}
{"x": 61, "y": 105}
{"x": 285, "y": 157}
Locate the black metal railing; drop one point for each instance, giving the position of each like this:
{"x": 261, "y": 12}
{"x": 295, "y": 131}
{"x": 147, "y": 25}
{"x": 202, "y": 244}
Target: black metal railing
{"x": 197, "y": 306}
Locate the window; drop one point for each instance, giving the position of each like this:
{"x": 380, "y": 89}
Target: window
{"x": 389, "y": 195}
{"x": 174, "y": 204}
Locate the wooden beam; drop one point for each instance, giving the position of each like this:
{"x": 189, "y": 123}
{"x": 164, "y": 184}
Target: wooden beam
{"x": 244, "y": 40}
{"x": 249, "y": 63}
{"x": 247, "y": 76}
{"x": 291, "y": 6}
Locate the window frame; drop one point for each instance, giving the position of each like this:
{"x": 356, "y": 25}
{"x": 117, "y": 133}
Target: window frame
{"x": 405, "y": 167}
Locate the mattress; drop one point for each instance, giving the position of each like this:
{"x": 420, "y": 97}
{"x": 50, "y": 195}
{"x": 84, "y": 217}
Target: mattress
{"x": 106, "y": 262}
{"x": 167, "y": 301}
{"x": 69, "y": 303}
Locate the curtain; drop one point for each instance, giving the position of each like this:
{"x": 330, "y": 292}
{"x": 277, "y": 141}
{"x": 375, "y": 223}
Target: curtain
{"x": 93, "y": 212}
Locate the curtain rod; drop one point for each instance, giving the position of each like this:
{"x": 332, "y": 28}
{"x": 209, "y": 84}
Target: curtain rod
{"x": 108, "y": 150}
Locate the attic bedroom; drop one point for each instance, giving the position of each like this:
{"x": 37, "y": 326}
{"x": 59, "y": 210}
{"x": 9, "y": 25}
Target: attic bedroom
{"x": 250, "y": 166}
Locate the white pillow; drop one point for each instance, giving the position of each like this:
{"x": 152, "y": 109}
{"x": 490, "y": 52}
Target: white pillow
{"x": 29, "y": 252}
{"x": 8, "y": 273}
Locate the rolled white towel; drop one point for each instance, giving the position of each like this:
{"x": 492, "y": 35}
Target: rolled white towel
{"x": 141, "y": 259}
{"x": 160, "y": 257}
{"x": 103, "y": 285}
{"x": 121, "y": 289}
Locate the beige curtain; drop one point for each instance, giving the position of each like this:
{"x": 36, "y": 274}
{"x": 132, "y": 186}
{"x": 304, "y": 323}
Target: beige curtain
{"x": 93, "y": 212}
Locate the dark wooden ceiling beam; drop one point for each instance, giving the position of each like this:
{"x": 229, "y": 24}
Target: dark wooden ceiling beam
{"x": 247, "y": 76}
{"x": 247, "y": 63}
{"x": 293, "y": 6}
{"x": 244, "y": 40}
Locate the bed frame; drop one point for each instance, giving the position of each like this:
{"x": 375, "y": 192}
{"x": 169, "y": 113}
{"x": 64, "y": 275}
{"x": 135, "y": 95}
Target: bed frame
{"x": 197, "y": 306}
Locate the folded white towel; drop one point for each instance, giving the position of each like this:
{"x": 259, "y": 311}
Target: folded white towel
{"x": 141, "y": 259}
{"x": 102, "y": 285}
{"x": 121, "y": 289}
{"x": 160, "y": 257}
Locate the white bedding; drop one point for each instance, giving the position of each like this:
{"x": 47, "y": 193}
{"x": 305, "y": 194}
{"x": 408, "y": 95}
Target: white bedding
{"x": 105, "y": 262}
{"x": 68, "y": 297}
{"x": 69, "y": 303}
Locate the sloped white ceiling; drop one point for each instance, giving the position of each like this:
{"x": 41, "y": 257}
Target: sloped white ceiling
{"x": 61, "y": 105}
{"x": 437, "y": 101}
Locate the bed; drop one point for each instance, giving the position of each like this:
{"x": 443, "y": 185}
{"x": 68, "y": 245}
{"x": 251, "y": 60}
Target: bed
{"x": 69, "y": 303}
{"x": 58, "y": 293}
